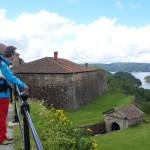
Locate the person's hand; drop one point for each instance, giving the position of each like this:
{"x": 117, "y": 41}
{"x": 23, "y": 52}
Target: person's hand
{"x": 25, "y": 88}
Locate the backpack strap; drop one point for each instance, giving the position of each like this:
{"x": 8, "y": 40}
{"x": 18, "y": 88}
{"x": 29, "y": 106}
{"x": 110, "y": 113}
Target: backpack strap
{"x": 4, "y": 86}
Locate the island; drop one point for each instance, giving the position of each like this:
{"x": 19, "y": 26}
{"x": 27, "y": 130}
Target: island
{"x": 147, "y": 79}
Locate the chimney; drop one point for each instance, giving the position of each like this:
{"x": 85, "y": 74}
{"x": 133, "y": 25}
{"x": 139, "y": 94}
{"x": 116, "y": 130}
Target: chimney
{"x": 55, "y": 55}
{"x": 86, "y": 64}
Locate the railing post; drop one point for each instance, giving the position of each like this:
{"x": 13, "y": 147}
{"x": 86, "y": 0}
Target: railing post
{"x": 16, "y": 119}
{"x": 24, "y": 108}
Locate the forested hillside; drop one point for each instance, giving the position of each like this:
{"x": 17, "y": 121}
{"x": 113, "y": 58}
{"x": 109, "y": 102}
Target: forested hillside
{"x": 124, "y": 82}
{"x": 127, "y": 67}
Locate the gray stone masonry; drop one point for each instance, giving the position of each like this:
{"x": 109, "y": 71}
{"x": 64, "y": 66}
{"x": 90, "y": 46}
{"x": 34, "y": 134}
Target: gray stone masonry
{"x": 66, "y": 91}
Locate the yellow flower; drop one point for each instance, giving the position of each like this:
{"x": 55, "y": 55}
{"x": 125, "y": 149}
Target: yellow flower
{"x": 88, "y": 129}
{"x": 53, "y": 120}
{"x": 94, "y": 145}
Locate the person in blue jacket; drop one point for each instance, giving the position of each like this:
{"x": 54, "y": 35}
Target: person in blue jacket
{"x": 6, "y": 78}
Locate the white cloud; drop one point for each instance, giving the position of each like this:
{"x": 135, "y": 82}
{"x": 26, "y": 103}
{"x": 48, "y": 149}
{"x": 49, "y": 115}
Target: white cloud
{"x": 2, "y": 14}
{"x": 127, "y": 5}
{"x": 134, "y": 5}
{"x": 39, "y": 35}
{"x": 119, "y": 4}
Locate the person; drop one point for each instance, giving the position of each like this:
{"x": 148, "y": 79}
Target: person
{"x": 6, "y": 78}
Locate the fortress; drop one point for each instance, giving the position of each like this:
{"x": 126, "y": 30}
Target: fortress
{"x": 61, "y": 82}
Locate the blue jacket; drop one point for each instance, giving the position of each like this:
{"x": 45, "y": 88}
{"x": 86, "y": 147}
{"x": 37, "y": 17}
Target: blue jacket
{"x": 6, "y": 73}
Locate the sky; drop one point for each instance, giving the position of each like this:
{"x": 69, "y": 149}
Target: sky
{"x": 83, "y": 31}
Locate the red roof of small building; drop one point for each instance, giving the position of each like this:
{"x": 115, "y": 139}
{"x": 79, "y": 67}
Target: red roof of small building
{"x": 50, "y": 65}
{"x": 130, "y": 111}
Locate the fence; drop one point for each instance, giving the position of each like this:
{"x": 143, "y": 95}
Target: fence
{"x": 27, "y": 121}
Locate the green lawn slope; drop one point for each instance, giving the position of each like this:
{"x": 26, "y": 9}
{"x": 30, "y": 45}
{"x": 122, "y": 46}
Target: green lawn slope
{"x": 134, "y": 138}
{"x": 92, "y": 112}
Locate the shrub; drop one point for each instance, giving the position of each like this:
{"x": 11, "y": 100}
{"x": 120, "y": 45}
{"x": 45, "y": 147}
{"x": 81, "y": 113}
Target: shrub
{"x": 60, "y": 133}
{"x": 146, "y": 107}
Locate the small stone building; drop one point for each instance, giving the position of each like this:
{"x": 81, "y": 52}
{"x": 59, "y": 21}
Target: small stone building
{"x": 122, "y": 117}
{"x": 61, "y": 82}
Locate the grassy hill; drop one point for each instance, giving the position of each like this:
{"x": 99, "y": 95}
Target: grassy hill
{"x": 134, "y": 138}
{"x": 92, "y": 112}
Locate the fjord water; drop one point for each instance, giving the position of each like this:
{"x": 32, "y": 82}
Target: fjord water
{"x": 141, "y": 76}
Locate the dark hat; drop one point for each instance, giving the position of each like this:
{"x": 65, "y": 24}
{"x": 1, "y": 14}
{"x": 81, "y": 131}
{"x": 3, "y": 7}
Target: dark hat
{"x": 9, "y": 51}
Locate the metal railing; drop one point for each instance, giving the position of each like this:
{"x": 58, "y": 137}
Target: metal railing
{"x": 27, "y": 121}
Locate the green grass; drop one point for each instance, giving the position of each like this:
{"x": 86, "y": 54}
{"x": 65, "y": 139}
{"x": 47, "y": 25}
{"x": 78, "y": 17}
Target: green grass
{"x": 39, "y": 114}
{"x": 92, "y": 112}
{"x": 133, "y": 138}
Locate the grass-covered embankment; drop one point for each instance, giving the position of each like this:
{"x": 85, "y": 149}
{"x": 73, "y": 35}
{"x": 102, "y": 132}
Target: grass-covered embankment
{"x": 133, "y": 138}
{"x": 88, "y": 114}
{"x": 92, "y": 112}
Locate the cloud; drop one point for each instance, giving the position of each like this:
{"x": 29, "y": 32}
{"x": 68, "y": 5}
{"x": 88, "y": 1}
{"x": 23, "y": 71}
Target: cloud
{"x": 39, "y": 35}
{"x": 134, "y": 5}
{"x": 2, "y": 14}
{"x": 119, "y": 4}
{"x": 128, "y": 5}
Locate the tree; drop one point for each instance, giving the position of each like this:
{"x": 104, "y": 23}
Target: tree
{"x": 146, "y": 107}
{"x": 123, "y": 82}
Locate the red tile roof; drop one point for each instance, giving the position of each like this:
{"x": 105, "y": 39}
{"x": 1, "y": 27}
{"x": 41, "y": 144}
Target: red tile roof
{"x": 49, "y": 65}
{"x": 130, "y": 112}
